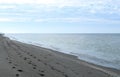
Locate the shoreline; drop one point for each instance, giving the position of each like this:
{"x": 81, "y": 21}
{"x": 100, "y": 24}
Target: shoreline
{"x": 56, "y": 64}
{"x": 66, "y": 54}
{"x": 112, "y": 71}
{"x": 87, "y": 54}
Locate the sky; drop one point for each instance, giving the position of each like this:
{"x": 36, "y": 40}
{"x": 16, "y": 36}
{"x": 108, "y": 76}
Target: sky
{"x": 60, "y": 16}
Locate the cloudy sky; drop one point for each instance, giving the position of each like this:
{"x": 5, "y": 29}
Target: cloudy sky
{"x": 60, "y": 16}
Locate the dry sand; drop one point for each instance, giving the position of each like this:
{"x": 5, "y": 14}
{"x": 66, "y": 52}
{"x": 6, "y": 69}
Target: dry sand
{"x": 24, "y": 60}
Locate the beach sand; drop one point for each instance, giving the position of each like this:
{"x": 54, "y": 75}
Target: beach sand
{"x": 24, "y": 60}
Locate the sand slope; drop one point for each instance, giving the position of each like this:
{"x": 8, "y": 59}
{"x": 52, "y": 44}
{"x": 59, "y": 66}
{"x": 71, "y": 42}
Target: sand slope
{"x": 23, "y": 60}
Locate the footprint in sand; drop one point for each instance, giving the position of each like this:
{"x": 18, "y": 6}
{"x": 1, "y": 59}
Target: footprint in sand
{"x": 17, "y": 75}
{"x": 45, "y": 57}
{"x": 39, "y": 60}
{"x": 34, "y": 65}
{"x": 31, "y": 55}
{"x": 34, "y": 57}
{"x": 20, "y": 56}
{"x": 41, "y": 71}
{"x": 13, "y": 67}
{"x": 25, "y": 58}
{"x": 65, "y": 75}
{"x": 10, "y": 62}
{"x": 20, "y": 70}
{"x": 34, "y": 68}
{"x": 7, "y": 58}
{"x": 41, "y": 74}
{"x": 30, "y": 62}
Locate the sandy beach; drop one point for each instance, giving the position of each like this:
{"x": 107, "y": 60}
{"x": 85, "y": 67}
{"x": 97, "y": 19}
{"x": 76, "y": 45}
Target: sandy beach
{"x": 24, "y": 60}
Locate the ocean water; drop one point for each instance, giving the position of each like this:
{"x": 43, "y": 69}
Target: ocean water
{"x": 100, "y": 49}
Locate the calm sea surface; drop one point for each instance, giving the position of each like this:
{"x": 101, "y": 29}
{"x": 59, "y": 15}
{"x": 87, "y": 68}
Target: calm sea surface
{"x": 101, "y": 49}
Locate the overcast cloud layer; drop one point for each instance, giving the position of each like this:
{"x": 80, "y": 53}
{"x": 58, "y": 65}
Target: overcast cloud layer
{"x": 60, "y": 11}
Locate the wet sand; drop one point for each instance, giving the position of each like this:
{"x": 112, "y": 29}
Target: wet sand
{"x": 25, "y": 60}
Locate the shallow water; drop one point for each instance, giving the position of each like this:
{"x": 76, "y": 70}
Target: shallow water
{"x": 101, "y": 49}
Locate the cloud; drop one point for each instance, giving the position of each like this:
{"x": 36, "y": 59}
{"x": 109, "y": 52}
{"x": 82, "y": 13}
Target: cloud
{"x": 8, "y": 14}
{"x": 92, "y": 6}
{"x": 58, "y": 20}
{"x": 7, "y": 6}
{"x": 78, "y": 20}
{"x": 64, "y": 2}
{"x": 8, "y": 19}
{"x": 57, "y": 10}
{"x": 46, "y": 2}
{"x": 16, "y": 1}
